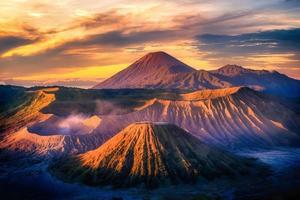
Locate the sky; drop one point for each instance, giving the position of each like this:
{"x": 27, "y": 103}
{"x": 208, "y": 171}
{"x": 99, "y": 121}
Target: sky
{"x": 81, "y": 42}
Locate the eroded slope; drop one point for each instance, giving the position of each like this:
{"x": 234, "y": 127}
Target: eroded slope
{"x": 151, "y": 154}
{"x": 234, "y": 117}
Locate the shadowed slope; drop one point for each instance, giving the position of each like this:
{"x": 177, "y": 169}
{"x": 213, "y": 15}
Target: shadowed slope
{"x": 153, "y": 154}
{"x": 269, "y": 81}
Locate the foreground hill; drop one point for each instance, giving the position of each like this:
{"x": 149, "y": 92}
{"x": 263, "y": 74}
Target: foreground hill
{"x": 160, "y": 70}
{"x": 151, "y": 154}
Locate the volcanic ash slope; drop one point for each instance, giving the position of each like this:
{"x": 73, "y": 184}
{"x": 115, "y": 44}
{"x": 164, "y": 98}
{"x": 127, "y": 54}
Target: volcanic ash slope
{"x": 151, "y": 154}
{"x": 233, "y": 118}
{"x": 25, "y": 128}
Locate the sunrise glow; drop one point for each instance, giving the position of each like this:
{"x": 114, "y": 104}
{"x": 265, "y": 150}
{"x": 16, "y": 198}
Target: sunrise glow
{"x": 49, "y": 41}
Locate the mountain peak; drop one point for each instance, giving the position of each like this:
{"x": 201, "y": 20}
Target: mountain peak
{"x": 150, "y": 153}
{"x": 162, "y": 60}
{"x": 158, "y": 53}
{"x": 151, "y": 70}
{"x": 234, "y": 70}
{"x": 232, "y": 66}
{"x": 231, "y": 70}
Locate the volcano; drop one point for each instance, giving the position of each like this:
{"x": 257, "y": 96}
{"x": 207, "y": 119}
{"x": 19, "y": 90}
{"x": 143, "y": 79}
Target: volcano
{"x": 159, "y": 70}
{"x": 151, "y": 154}
{"x": 152, "y": 70}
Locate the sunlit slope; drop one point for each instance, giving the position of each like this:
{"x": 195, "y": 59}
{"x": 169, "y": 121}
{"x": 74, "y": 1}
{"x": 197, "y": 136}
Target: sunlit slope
{"x": 234, "y": 117}
{"x": 23, "y": 111}
{"x": 53, "y": 121}
{"x": 22, "y": 107}
{"x": 80, "y": 120}
{"x": 50, "y": 145}
{"x": 151, "y": 154}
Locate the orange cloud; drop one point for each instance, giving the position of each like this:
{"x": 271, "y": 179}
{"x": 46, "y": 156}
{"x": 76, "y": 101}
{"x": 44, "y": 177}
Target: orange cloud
{"x": 68, "y": 39}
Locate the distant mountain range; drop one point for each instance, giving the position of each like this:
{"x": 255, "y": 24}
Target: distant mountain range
{"x": 160, "y": 70}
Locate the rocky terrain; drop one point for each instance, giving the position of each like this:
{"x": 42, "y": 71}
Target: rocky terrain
{"x": 151, "y": 154}
{"x": 234, "y": 118}
{"x": 229, "y": 118}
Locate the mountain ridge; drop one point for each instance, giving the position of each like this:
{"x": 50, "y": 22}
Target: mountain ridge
{"x": 230, "y": 118}
{"x": 159, "y": 70}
